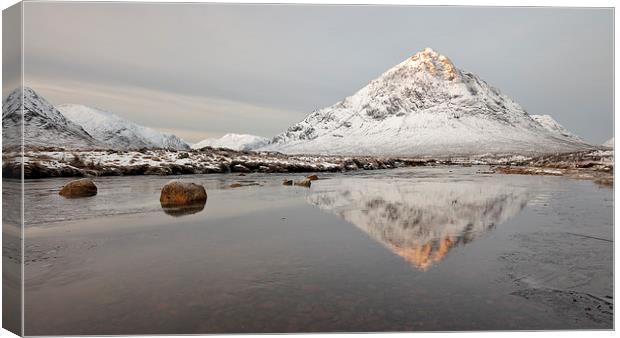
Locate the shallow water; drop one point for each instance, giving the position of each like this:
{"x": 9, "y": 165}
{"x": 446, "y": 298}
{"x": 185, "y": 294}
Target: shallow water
{"x": 407, "y": 249}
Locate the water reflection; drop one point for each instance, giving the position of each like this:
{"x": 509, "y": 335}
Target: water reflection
{"x": 179, "y": 211}
{"x": 420, "y": 221}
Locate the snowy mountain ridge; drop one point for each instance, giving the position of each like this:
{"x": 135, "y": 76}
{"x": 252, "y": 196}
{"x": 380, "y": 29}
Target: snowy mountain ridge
{"x": 423, "y": 106}
{"x": 43, "y": 124}
{"x": 119, "y": 133}
{"x": 554, "y": 126}
{"x": 240, "y": 142}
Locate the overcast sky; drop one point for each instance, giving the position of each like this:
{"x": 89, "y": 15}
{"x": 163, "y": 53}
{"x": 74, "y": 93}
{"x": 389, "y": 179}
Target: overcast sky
{"x": 202, "y": 70}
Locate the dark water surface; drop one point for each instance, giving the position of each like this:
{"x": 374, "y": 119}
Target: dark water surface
{"x": 400, "y": 250}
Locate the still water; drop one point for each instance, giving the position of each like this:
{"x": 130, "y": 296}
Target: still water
{"x": 399, "y": 250}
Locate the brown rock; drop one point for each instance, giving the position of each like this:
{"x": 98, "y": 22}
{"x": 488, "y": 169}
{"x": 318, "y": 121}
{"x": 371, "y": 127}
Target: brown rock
{"x": 84, "y": 187}
{"x": 304, "y": 183}
{"x": 312, "y": 177}
{"x": 287, "y": 182}
{"x": 178, "y": 193}
{"x": 236, "y": 185}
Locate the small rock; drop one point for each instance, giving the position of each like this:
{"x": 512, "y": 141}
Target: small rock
{"x": 84, "y": 187}
{"x": 236, "y": 185}
{"x": 242, "y": 174}
{"x": 312, "y": 177}
{"x": 287, "y": 182}
{"x": 183, "y": 155}
{"x": 176, "y": 193}
{"x": 304, "y": 183}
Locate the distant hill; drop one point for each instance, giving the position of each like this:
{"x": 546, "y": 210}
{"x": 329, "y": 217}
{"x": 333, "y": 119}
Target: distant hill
{"x": 233, "y": 141}
{"x": 119, "y": 133}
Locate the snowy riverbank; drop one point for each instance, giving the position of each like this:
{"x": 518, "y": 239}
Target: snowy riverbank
{"x": 55, "y": 162}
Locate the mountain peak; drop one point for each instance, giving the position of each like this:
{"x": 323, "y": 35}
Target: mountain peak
{"x": 28, "y": 94}
{"x": 433, "y": 63}
{"x": 428, "y": 51}
{"x": 38, "y": 123}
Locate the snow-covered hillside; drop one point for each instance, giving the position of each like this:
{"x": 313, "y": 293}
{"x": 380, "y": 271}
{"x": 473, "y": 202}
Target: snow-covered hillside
{"x": 233, "y": 141}
{"x": 43, "y": 124}
{"x": 609, "y": 143}
{"x": 118, "y": 133}
{"x": 423, "y": 106}
{"x": 554, "y": 126}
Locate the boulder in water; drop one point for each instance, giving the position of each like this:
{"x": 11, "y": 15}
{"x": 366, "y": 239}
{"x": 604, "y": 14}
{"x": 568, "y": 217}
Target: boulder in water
{"x": 84, "y": 187}
{"x": 178, "y": 193}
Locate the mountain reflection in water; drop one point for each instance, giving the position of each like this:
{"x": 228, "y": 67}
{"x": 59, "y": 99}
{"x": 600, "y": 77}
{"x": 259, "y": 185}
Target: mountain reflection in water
{"x": 420, "y": 221}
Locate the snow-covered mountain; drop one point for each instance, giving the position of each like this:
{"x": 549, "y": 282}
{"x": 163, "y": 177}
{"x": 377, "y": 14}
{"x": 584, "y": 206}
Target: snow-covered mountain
{"x": 234, "y": 142}
{"x": 554, "y": 126}
{"x": 609, "y": 143}
{"x": 118, "y": 133}
{"x": 423, "y": 106}
{"x": 43, "y": 124}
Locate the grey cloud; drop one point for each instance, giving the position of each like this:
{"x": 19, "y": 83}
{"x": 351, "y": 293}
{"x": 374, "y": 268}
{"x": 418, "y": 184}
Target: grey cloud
{"x": 297, "y": 58}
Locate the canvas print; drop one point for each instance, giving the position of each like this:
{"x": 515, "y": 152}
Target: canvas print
{"x": 203, "y": 168}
